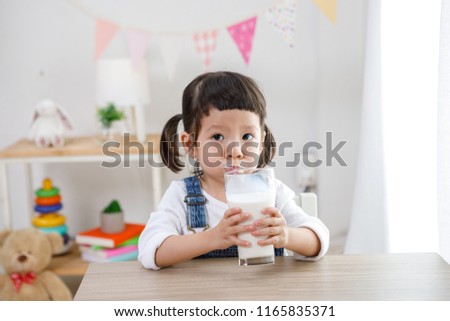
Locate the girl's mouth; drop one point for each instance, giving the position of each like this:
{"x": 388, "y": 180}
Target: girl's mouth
{"x": 234, "y": 168}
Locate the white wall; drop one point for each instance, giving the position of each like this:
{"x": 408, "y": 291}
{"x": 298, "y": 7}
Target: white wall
{"x": 341, "y": 60}
{"x": 46, "y": 51}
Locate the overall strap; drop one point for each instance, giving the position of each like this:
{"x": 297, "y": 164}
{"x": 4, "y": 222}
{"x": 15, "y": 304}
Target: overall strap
{"x": 195, "y": 201}
{"x": 232, "y": 251}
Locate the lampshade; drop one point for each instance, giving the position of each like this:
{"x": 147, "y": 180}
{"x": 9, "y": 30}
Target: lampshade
{"x": 126, "y": 85}
{"x": 119, "y": 82}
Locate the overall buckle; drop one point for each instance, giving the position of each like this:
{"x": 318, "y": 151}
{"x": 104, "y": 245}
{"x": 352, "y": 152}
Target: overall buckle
{"x": 195, "y": 199}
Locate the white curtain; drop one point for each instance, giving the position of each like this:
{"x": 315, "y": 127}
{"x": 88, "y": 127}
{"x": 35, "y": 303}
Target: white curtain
{"x": 444, "y": 133}
{"x": 368, "y": 228}
{"x": 395, "y": 203}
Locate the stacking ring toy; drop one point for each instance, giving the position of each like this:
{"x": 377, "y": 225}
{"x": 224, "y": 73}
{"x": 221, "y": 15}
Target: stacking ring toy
{"x": 49, "y": 220}
{"x": 48, "y": 209}
{"x": 47, "y": 189}
{"x": 66, "y": 238}
{"x": 45, "y": 201}
{"x": 47, "y": 192}
{"x": 62, "y": 229}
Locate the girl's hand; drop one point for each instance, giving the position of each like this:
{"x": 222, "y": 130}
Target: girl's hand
{"x": 273, "y": 226}
{"x": 225, "y": 233}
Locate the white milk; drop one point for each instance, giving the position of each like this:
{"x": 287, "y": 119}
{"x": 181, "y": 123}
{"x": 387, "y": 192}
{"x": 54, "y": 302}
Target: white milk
{"x": 253, "y": 203}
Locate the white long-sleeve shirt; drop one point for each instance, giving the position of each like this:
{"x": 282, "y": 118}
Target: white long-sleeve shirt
{"x": 171, "y": 219}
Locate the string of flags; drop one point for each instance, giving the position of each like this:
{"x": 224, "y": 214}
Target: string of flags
{"x": 281, "y": 15}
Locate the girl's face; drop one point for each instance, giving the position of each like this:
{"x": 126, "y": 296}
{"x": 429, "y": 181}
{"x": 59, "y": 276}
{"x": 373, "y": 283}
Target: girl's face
{"x": 227, "y": 139}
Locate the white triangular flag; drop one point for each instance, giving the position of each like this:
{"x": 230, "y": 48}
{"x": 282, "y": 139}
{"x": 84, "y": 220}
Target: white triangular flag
{"x": 170, "y": 50}
{"x": 282, "y": 16}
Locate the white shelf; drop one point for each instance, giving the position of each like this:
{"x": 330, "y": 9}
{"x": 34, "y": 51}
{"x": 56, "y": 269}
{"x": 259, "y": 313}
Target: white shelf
{"x": 75, "y": 150}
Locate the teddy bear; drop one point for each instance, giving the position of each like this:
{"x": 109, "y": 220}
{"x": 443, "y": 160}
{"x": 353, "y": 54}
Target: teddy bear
{"x": 25, "y": 255}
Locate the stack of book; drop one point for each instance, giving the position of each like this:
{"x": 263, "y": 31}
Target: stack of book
{"x": 97, "y": 246}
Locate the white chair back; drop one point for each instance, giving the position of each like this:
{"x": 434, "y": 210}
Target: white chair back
{"x": 308, "y": 203}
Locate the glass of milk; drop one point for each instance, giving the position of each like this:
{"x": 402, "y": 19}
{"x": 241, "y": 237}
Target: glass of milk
{"x": 252, "y": 191}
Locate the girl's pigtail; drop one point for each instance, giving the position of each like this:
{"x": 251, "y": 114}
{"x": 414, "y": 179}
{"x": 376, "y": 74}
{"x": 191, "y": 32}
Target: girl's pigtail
{"x": 269, "y": 148}
{"x": 169, "y": 150}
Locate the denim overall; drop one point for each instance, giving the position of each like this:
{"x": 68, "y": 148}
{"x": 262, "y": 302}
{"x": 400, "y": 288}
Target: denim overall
{"x": 196, "y": 217}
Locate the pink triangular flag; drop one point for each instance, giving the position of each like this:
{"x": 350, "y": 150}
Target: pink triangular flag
{"x": 205, "y": 44}
{"x": 137, "y": 45}
{"x": 282, "y": 17}
{"x": 242, "y": 34}
{"x": 104, "y": 31}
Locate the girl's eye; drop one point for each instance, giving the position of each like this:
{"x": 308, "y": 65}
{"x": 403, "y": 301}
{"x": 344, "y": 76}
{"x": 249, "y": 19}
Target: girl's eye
{"x": 217, "y": 137}
{"x": 247, "y": 137}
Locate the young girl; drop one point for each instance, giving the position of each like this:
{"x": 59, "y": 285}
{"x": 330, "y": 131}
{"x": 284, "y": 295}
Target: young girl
{"x": 224, "y": 127}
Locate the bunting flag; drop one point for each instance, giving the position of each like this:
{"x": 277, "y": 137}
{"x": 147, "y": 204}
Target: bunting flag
{"x": 104, "y": 32}
{"x": 283, "y": 16}
{"x": 170, "y": 49}
{"x": 137, "y": 45}
{"x": 242, "y": 34}
{"x": 205, "y": 44}
{"x": 328, "y": 8}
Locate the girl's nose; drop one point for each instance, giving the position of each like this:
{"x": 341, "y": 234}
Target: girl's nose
{"x": 234, "y": 150}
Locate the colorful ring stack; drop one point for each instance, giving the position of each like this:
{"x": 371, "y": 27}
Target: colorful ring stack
{"x": 48, "y": 203}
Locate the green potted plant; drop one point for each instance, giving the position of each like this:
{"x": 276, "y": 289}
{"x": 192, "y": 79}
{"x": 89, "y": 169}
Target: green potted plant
{"x": 108, "y": 116}
{"x": 112, "y": 220}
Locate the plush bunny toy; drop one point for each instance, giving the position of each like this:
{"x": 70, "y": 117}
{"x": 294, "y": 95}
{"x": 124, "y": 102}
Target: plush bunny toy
{"x": 49, "y": 125}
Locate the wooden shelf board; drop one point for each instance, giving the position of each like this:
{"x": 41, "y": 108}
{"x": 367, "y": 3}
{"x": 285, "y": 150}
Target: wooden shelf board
{"x": 78, "y": 146}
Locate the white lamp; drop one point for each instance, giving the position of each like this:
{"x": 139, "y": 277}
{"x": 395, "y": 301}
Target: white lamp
{"x": 125, "y": 85}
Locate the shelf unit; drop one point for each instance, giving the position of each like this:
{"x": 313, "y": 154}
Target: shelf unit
{"x": 75, "y": 150}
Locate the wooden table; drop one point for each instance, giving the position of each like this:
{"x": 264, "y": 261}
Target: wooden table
{"x": 418, "y": 276}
